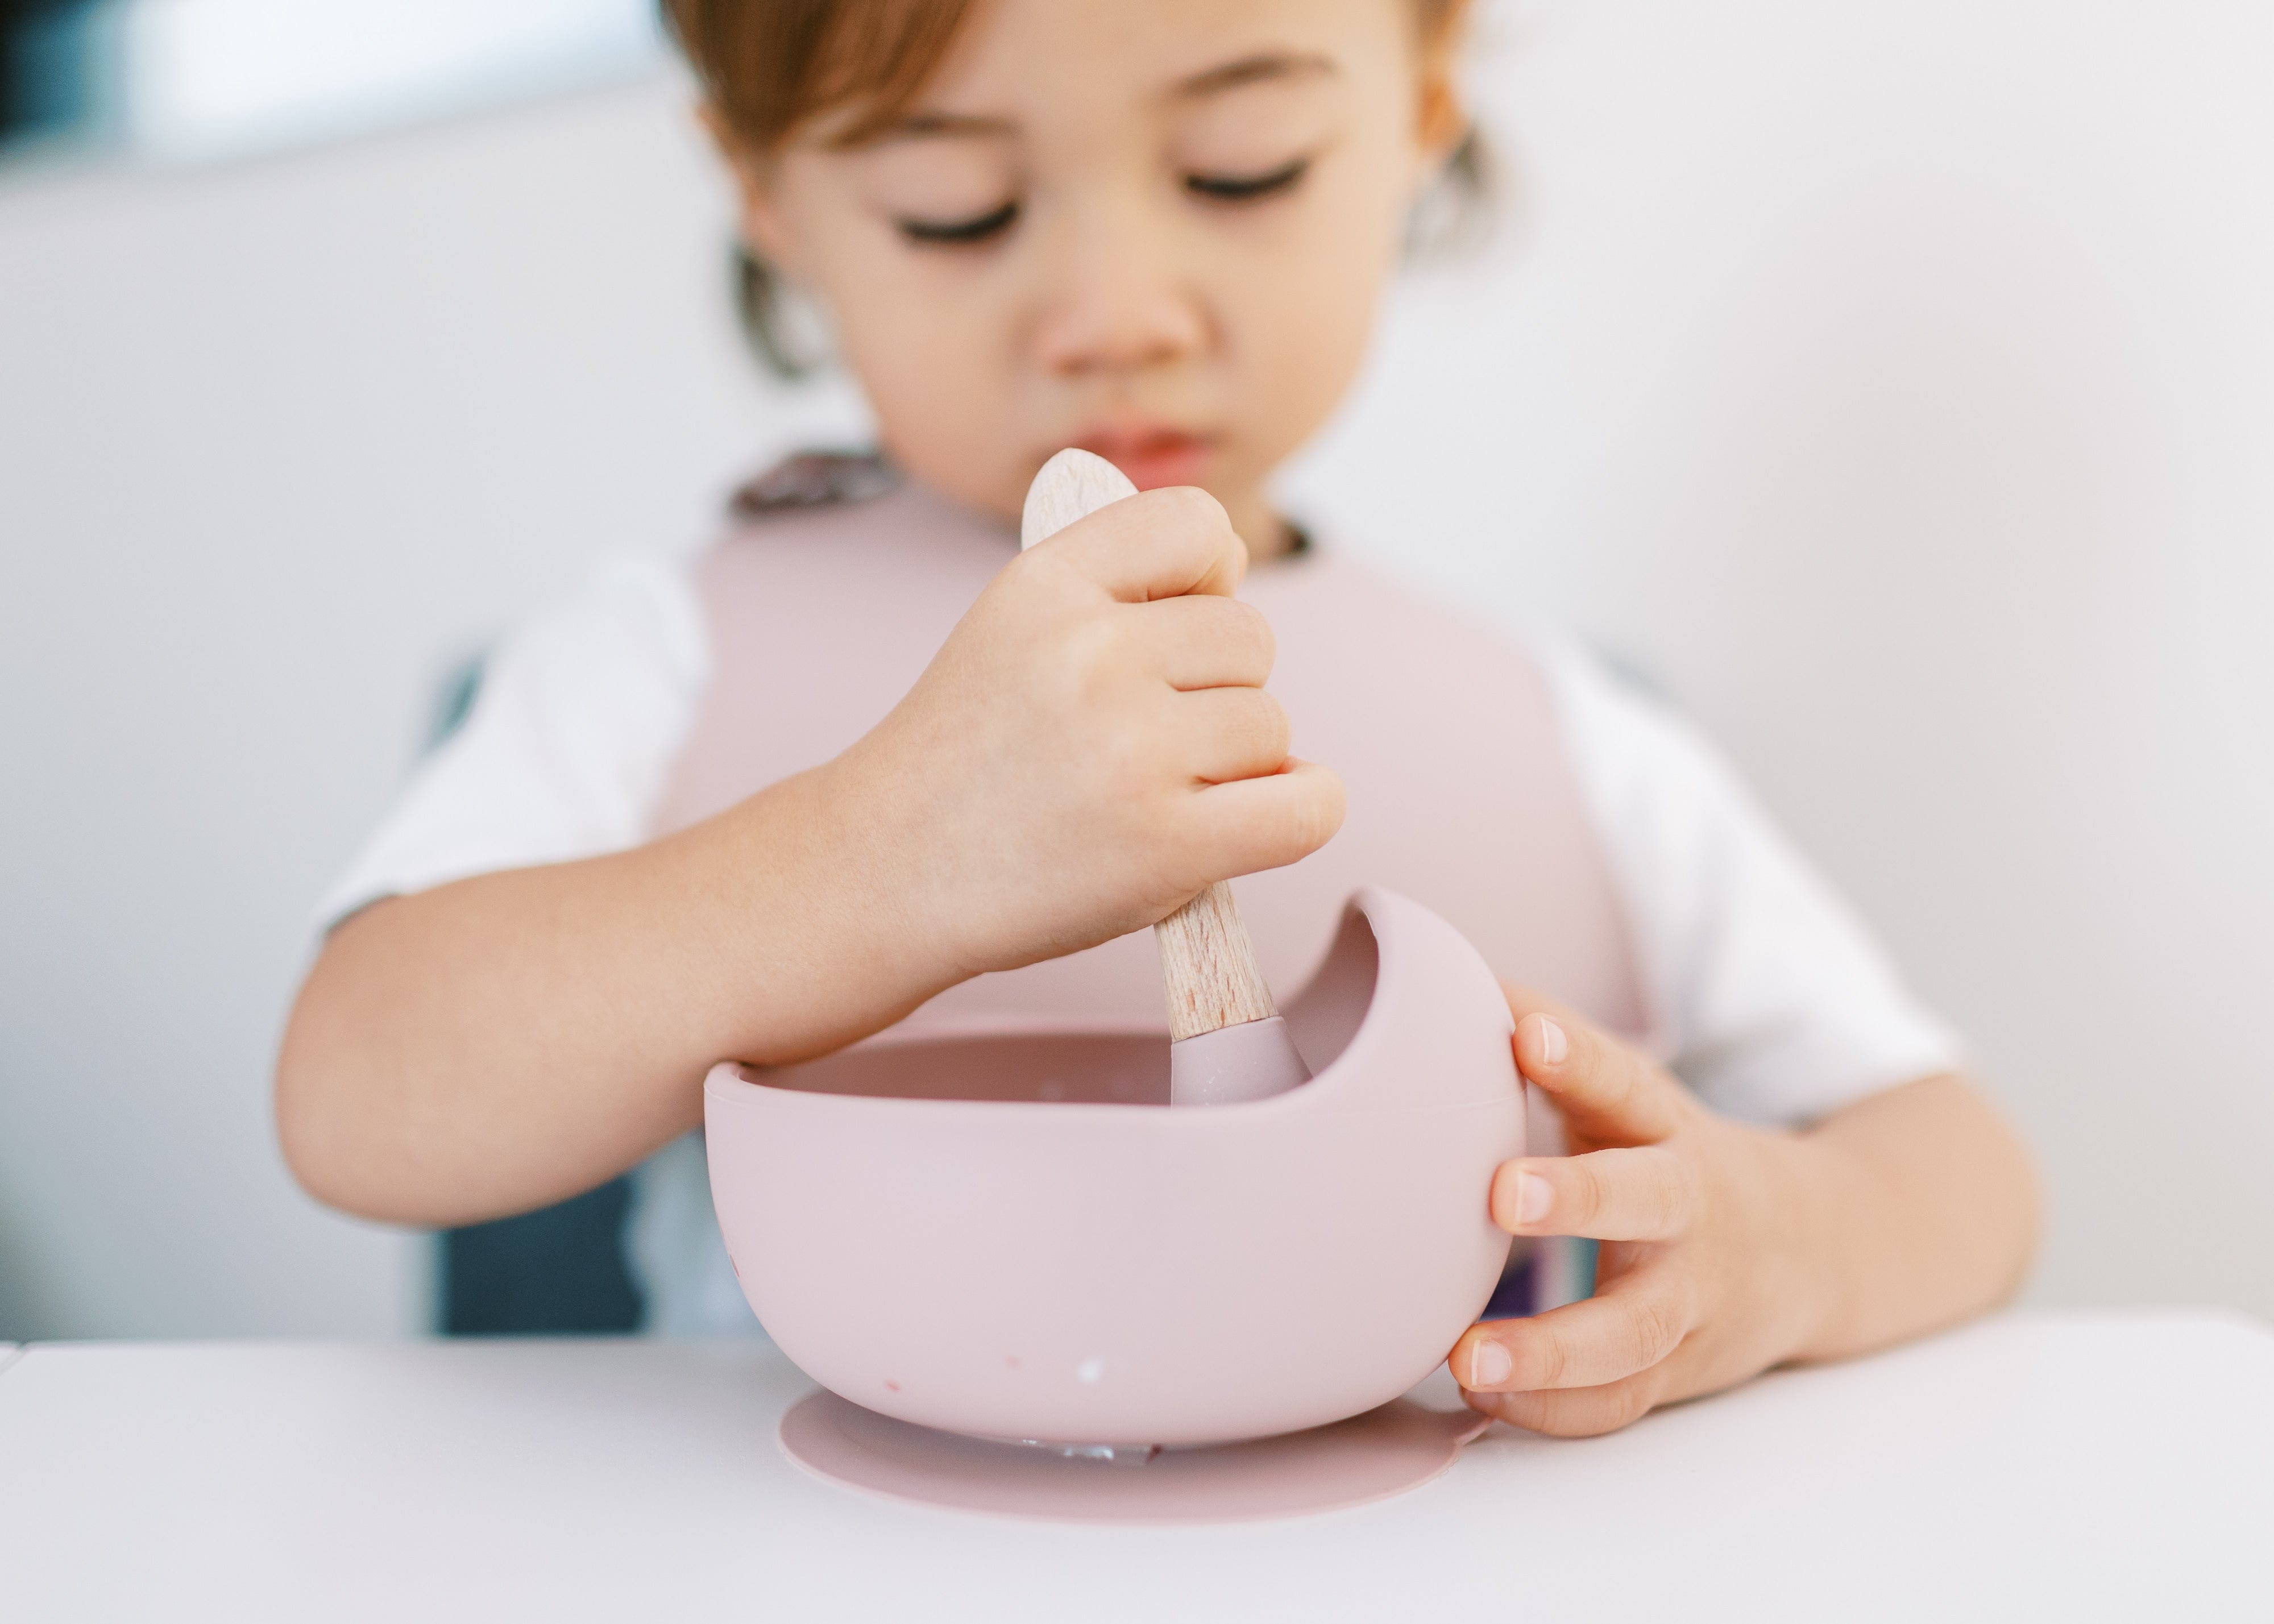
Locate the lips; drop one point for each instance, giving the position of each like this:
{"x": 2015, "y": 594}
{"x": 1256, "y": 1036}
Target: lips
{"x": 1152, "y": 457}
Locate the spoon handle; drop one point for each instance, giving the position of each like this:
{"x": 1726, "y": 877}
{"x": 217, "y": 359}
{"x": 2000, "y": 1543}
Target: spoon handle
{"x": 1207, "y": 962}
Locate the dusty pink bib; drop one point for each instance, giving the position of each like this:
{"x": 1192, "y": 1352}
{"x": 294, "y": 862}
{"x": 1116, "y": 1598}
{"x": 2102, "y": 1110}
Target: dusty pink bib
{"x": 1460, "y": 791}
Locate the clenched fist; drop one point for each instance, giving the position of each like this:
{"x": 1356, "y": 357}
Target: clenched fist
{"x": 1090, "y": 747}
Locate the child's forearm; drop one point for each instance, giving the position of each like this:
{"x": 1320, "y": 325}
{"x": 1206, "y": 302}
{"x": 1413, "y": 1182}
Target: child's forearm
{"x": 1090, "y": 747}
{"x": 1926, "y": 1211}
{"x": 512, "y": 1039}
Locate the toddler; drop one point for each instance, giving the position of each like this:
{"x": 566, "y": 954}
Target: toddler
{"x": 863, "y": 762}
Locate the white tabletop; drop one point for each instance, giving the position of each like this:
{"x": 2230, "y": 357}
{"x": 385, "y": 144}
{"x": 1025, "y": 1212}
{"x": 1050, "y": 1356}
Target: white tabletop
{"x": 2029, "y": 1467}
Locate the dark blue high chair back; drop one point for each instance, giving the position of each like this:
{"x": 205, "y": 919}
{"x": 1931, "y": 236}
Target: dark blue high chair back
{"x": 559, "y": 1271}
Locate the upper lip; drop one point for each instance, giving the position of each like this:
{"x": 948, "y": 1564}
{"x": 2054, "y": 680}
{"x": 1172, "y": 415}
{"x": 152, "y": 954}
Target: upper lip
{"x": 1106, "y": 438}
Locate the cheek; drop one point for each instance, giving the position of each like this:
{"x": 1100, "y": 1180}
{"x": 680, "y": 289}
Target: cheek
{"x": 1319, "y": 328}
{"x": 932, "y": 355}
{"x": 1301, "y": 326}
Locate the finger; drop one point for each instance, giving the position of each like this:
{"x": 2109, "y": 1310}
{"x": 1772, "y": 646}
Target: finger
{"x": 1232, "y": 733}
{"x": 1576, "y": 1412}
{"x": 1606, "y": 1091}
{"x": 1644, "y": 1194}
{"x": 1159, "y": 543}
{"x": 1267, "y": 822}
{"x": 1634, "y": 1323}
{"x": 1206, "y": 642}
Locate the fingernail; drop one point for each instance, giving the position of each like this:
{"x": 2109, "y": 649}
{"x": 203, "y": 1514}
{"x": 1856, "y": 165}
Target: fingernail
{"x": 1554, "y": 1043}
{"x": 1533, "y": 1198}
{"x": 1489, "y": 1365}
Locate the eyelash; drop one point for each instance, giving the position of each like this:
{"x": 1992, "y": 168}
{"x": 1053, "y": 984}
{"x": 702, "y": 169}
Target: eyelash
{"x": 1247, "y": 188}
{"x": 1214, "y": 188}
{"x": 959, "y": 233}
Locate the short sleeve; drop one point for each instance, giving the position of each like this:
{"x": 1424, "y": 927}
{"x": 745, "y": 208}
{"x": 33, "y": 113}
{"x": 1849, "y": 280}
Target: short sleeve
{"x": 577, "y": 722}
{"x": 1773, "y": 1001}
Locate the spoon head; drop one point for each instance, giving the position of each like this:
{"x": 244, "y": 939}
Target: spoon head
{"x": 1073, "y": 485}
{"x": 1233, "y": 1065}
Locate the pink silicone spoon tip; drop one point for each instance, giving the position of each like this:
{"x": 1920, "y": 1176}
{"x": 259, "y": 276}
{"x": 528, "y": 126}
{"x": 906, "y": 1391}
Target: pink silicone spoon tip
{"x": 1232, "y": 1065}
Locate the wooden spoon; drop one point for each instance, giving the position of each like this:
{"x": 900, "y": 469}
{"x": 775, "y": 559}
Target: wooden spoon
{"x": 1228, "y": 1043}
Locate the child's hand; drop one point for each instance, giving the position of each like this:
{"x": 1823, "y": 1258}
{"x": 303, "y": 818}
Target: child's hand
{"x": 1705, "y": 1275}
{"x": 1091, "y": 747}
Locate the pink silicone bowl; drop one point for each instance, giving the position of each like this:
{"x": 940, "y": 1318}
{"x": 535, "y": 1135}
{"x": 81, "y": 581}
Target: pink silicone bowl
{"x": 1011, "y": 1234}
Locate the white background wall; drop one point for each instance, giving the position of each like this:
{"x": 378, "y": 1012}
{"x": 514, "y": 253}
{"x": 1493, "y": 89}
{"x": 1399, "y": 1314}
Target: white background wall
{"x": 1896, "y": 384}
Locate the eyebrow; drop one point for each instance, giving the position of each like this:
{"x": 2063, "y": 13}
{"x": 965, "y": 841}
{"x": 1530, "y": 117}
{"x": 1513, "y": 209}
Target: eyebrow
{"x": 1263, "y": 67}
{"x": 934, "y": 126}
{"x": 1258, "y": 68}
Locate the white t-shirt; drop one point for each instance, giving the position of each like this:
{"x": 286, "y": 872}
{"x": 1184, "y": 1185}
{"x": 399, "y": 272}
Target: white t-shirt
{"x": 1777, "y": 1006}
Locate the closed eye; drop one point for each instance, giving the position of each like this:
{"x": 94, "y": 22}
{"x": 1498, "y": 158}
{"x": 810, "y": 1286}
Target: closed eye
{"x": 1247, "y": 188}
{"x": 953, "y": 233}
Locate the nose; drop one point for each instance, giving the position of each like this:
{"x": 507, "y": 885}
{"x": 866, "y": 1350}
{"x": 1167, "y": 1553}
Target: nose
{"x": 1113, "y": 301}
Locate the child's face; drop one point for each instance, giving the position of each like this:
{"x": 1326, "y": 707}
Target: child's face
{"x": 1158, "y": 229}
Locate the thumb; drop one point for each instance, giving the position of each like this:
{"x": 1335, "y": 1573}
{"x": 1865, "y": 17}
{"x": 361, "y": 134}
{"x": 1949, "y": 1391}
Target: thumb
{"x": 1163, "y": 544}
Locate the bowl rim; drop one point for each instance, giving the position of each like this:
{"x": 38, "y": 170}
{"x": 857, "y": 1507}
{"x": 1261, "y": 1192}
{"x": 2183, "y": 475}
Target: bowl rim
{"x": 740, "y": 1085}
{"x": 735, "y": 1083}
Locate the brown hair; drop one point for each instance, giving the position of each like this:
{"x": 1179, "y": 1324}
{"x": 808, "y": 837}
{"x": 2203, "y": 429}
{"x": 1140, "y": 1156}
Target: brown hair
{"x": 770, "y": 67}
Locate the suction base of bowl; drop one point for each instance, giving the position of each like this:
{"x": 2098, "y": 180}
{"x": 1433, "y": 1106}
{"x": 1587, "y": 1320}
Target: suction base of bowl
{"x": 1383, "y": 1453}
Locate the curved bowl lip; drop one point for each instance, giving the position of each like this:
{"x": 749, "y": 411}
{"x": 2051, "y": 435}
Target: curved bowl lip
{"x": 731, "y": 1080}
